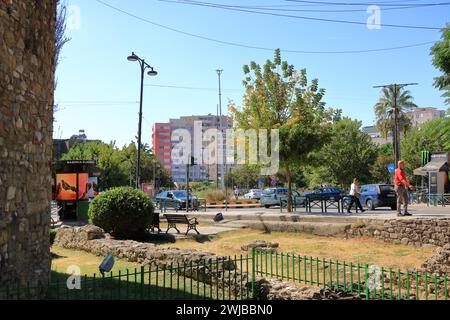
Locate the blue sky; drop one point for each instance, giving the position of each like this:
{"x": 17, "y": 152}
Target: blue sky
{"x": 98, "y": 89}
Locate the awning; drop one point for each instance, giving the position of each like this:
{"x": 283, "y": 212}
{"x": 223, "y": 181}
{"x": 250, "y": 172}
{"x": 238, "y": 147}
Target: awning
{"x": 420, "y": 172}
{"x": 434, "y": 166}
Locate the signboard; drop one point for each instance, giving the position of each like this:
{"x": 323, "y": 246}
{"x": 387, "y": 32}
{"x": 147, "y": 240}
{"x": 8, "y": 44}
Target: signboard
{"x": 391, "y": 168}
{"x": 67, "y": 186}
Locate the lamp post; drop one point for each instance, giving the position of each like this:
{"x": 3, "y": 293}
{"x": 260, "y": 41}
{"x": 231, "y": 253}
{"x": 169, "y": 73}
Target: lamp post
{"x": 144, "y": 66}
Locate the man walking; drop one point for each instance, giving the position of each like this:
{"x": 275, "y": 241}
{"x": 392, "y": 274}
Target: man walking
{"x": 355, "y": 194}
{"x": 402, "y": 185}
{"x": 237, "y": 192}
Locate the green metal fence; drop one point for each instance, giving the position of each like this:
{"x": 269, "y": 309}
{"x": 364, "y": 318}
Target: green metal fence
{"x": 219, "y": 279}
{"x": 235, "y": 279}
{"x": 370, "y": 282}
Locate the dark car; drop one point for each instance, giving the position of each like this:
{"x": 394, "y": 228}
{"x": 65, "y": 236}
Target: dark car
{"x": 325, "y": 193}
{"x": 378, "y": 195}
{"x": 175, "y": 197}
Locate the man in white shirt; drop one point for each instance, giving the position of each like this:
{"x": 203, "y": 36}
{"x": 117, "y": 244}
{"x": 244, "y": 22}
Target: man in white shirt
{"x": 355, "y": 193}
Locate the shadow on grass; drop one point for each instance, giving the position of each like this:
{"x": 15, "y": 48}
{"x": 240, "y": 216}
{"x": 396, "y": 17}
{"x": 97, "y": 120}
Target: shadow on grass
{"x": 132, "y": 285}
{"x": 55, "y": 256}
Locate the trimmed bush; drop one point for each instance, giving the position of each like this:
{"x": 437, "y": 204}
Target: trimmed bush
{"x": 124, "y": 212}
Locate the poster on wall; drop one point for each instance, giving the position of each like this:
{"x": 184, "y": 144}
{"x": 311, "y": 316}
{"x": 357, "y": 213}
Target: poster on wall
{"x": 83, "y": 181}
{"x": 92, "y": 187}
{"x": 66, "y": 186}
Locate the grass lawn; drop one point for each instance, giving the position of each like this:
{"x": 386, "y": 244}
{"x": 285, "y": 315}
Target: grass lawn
{"x": 137, "y": 284}
{"x": 365, "y": 250}
{"x": 88, "y": 263}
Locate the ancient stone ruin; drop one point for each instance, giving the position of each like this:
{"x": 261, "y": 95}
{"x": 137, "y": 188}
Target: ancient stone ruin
{"x": 27, "y": 46}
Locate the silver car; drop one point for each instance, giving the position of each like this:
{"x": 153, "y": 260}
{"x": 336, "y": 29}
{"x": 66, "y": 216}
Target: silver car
{"x": 253, "y": 194}
{"x": 272, "y": 196}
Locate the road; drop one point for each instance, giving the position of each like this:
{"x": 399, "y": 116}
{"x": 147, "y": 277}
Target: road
{"x": 418, "y": 211}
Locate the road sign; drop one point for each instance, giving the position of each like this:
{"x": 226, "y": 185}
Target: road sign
{"x": 391, "y": 168}
{"x": 274, "y": 182}
{"x": 260, "y": 182}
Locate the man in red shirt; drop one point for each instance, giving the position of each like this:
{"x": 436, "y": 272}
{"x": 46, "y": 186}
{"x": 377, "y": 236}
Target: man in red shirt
{"x": 402, "y": 185}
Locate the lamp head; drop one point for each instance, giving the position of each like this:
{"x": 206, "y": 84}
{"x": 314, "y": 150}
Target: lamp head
{"x": 133, "y": 57}
{"x": 152, "y": 73}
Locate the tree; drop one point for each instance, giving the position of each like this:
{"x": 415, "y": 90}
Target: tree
{"x": 384, "y": 110}
{"x": 379, "y": 169}
{"x": 119, "y": 165}
{"x": 108, "y": 159}
{"x": 347, "y": 155}
{"x": 245, "y": 176}
{"x": 278, "y": 96}
{"x": 441, "y": 60}
{"x": 433, "y": 136}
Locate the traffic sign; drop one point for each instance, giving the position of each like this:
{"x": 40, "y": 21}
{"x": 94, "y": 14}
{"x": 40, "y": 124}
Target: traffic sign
{"x": 391, "y": 168}
{"x": 260, "y": 182}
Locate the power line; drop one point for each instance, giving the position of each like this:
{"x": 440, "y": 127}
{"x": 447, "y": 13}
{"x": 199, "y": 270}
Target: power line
{"x": 234, "y": 44}
{"x": 385, "y": 3}
{"x": 187, "y": 88}
{"x": 298, "y": 17}
{"x": 405, "y": 6}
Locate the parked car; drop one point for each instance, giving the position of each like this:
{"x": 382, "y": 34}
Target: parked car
{"x": 271, "y": 196}
{"x": 175, "y": 196}
{"x": 325, "y": 193}
{"x": 378, "y": 195}
{"x": 253, "y": 194}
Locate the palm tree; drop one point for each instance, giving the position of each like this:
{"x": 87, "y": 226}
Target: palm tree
{"x": 384, "y": 110}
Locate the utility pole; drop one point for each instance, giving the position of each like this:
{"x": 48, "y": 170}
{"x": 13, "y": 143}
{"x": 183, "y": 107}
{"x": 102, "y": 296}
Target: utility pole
{"x": 217, "y": 150}
{"x": 187, "y": 183}
{"x": 396, "y": 134}
{"x": 219, "y": 73}
{"x": 154, "y": 176}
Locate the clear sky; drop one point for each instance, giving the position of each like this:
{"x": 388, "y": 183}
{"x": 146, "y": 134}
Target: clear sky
{"x": 98, "y": 89}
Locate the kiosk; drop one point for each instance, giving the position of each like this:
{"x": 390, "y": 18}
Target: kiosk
{"x": 437, "y": 173}
{"x": 75, "y": 184}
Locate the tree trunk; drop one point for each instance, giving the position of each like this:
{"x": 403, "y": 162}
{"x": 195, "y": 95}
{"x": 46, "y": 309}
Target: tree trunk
{"x": 289, "y": 195}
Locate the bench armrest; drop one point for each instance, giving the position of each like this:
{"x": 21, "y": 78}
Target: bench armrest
{"x": 193, "y": 219}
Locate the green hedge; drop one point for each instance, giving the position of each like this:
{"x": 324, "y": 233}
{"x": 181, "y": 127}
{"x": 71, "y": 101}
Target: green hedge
{"x": 123, "y": 212}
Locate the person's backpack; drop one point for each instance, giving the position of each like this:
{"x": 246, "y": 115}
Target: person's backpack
{"x": 218, "y": 217}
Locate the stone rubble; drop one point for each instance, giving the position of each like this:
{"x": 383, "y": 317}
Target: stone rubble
{"x": 270, "y": 289}
{"x": 261, "y": 245}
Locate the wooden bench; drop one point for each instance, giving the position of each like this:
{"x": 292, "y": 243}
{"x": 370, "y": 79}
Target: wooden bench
{"x": 173, "y": 219}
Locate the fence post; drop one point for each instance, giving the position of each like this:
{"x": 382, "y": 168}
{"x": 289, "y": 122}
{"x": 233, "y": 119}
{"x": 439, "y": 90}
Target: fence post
{"x": 253, "y": 272}
{"x": 366, "y": 281}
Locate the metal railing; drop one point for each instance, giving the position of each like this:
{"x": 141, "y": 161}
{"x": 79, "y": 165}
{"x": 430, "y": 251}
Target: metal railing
{"x": 370, "y": 282}
{"x": 218, "y": 279}
{"x": 235, "y": 279}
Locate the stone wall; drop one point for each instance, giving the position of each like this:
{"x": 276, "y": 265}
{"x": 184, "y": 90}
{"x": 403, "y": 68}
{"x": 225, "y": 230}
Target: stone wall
{"x": 26, "y": 123}
{"x": 94, "y": 240}
{"x": 414, "y": 231}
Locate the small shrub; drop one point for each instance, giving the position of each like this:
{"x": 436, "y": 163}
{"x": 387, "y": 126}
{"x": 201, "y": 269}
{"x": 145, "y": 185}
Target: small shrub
{"x": 123, "y": 212}
{"x": 215, "y": 195}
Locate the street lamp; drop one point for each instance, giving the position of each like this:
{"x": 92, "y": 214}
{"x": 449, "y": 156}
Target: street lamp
{"x": 144, "y": 66}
